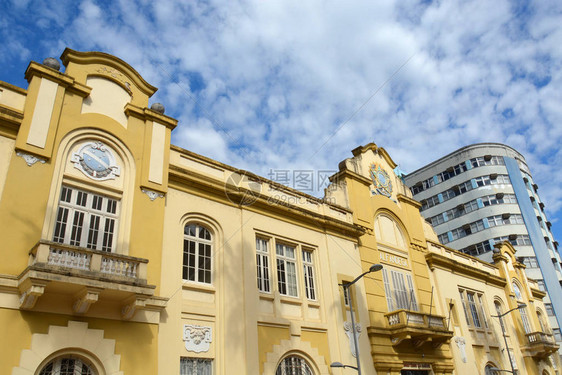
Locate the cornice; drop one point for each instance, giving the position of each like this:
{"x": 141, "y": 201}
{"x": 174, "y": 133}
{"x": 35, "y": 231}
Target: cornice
{"x": 211, "y": 162}
{"x": 11, "y": 87}
{"x": 10, "y": 121}
{"x": 38, "y": 70}
{"x": 437, "y": 260}
{"x": 346, "y": 173}
{"x": 94, "y": 57}
{"x": 148, "y": 114}
{"x": 537, "y": 293}
{"x": 376, "y": 150}
{"x": 406, "y": 199}
{"x": 181, "y": 179}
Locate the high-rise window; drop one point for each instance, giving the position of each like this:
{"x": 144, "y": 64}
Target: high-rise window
{"x": 86, "y": 219}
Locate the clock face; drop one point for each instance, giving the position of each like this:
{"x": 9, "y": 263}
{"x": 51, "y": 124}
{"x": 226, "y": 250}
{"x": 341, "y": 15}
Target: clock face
{"x": 96, "y": 161}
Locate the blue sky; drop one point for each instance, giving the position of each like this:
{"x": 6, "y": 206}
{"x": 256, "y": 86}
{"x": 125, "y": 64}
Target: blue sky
{"x": 294, "y": 85}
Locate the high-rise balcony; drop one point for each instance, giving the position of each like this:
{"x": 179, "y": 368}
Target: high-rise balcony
{"x": 86, "y": 276}
{"x": 539, "y": 345}
{"x": 418, "y": 327}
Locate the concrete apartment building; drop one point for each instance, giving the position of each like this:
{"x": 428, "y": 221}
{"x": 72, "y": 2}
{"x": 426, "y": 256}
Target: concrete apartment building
{"x": 484, "y": 194}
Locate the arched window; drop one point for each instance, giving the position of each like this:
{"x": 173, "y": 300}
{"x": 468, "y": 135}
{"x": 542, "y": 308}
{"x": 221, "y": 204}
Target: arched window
{"x": 68, "y": 365}
{"x": 499, "y": 312}
{"x": 490, "y": 370}
{"x": 398, "y": 282}
{"x": 517, "y": 291}
{"x": 522, "y": 310}
{"x": 197, "y": 250}
{"x": 293, "y": 365}
{"x": 544, "y": 327}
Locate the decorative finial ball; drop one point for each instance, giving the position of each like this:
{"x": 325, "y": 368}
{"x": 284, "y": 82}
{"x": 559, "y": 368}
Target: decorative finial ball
{"x": 496, "y": 250}
{"x": 158, "y": 107}
{"x": 52, "y": 63}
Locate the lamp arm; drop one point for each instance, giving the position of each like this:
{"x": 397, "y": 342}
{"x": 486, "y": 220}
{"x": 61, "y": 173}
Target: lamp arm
{"x": 354, "y": 281}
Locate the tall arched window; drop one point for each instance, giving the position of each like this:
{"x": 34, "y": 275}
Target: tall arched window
{"x": 499, "y": 312}
{"x": 397, "y": 277}
{"x": 523, "y": 310}
{"x": 489, "y": 370}
{"x": 67, "y": 365}
{"x": 197, "y": 250}
{"x": 293, "y": 365}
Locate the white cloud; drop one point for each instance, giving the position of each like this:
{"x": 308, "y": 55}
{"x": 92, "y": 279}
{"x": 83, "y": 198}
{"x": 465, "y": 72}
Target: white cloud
{"x": 278, "y": 78}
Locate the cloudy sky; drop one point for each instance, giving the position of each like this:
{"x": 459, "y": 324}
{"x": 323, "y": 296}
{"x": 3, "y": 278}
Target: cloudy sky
{"x": 295, "y": 85}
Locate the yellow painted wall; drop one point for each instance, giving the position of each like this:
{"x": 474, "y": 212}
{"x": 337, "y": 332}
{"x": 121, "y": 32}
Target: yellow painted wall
{"x": 135, "y": 342}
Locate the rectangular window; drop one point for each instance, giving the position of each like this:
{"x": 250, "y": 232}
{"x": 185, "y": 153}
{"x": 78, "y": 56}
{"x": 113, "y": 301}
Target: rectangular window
{"x": 399, "y": 290}
{"x": 525, "y": 319}
{"x": 345, "y": 294}
{"x": 286, "y": 270}
{"x": 196, "y": 366}
{"x": 549, "y": 309}
{"x": 473, "y": 308}
{"x": 86, "y": 219}
{"x": 262, "y": 263}
{"x": 308, "y": 269}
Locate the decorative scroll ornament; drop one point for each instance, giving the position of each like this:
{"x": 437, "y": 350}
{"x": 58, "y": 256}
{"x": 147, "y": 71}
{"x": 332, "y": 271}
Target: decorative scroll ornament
{"x": 116, "y": 75}
{"x": 197, "y": 338}
{"x": 381, "y": 180}
{"x": 461, "y": 344}
{"x": 30, "y": 159}
{"x": 96, "y": 161}
{"x": 152, "y": 194}
{"x": 349, "y": 333}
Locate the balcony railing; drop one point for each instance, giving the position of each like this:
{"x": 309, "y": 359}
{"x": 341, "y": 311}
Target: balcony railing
{"x": 417, "y": 326}
{"x": 540, "y": 337}
{"x": 86, "y": 276}
{"x": 540, "y": 344}
{"x": 52, "y": 254}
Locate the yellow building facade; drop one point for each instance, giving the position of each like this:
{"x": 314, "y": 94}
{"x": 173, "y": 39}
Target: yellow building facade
{"x": 128, "y": 255}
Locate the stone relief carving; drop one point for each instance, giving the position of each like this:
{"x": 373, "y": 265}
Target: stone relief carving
{"x": 152, "y": 194}
{"x": 197, "y": 338}
{"x": 461, "y": 344}
{"x": 30, "y": 159}
{"x": 349, "y": 333}
{"x": 96, "y": 161}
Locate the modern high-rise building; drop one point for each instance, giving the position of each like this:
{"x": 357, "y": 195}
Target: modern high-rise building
{"x": 483, "y": 194}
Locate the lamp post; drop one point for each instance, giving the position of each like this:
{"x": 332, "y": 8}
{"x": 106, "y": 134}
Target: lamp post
{"x": 504, "y": 328}
{"x": 346, "y": 286}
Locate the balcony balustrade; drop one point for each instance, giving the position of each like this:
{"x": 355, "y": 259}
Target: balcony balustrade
{"x": 418, "y": 327}
{"x": 539, "y": 345}
{"x": 88, "y": 276}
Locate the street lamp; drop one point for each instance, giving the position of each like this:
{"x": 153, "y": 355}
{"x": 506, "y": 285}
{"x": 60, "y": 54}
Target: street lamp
{"x": 341, "y": 365}
{"x": 346, "y": 286}
{"x": 520, "y": 306}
